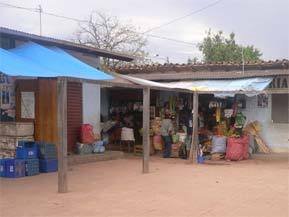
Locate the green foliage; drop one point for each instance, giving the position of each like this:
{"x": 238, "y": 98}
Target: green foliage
{"x": 218, "y": 48}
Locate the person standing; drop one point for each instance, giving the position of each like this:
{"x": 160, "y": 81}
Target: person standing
{"x": 166, "y": 132}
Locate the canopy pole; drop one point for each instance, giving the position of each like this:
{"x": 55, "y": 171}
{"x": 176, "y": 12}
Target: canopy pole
{"x": 146, "y": 129}
{"x": 62, "y": 134}
{"x": 194, "y": 145}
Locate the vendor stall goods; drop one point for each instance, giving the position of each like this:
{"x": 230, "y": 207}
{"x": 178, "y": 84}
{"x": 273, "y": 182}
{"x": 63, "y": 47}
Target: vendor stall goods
{"x": 219, "y": 144}
{"x": 158, "y": 142}
{"x": 254, "y": 129}
{"x": 237, "y": 148}
{"x": 87, "y": 135}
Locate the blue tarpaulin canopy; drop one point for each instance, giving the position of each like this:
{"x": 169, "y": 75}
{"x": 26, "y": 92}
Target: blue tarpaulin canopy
{"x": 14, "y": 65}
{"x": 34, "y": 60}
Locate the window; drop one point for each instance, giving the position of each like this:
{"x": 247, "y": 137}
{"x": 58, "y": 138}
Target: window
{"x": 262, "y": 101}
{"x": 280, "y": 108}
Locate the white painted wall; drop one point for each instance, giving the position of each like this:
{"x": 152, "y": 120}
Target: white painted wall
{"x": 275, "y": 135}
{"x": 91, "y": 105}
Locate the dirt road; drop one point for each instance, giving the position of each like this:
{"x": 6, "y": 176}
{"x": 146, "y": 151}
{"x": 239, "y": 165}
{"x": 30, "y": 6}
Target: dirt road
{"x": 173, "y": 188}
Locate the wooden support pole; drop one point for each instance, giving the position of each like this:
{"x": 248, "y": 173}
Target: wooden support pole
{"x": 195, "y": 140}
{"x": 146, "y": 129}
{"x": 62, "y": 134}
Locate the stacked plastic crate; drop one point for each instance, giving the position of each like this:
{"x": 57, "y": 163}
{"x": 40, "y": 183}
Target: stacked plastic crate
{"x": 47, "y": 157}
{"x": 14, "y": 168}
{"x": 29, "y": 153}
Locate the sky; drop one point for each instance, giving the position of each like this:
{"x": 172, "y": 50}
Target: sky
{"x": 262, "y": 23}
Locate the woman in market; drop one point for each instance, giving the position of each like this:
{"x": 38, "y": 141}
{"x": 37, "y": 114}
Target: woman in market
{"x": 166, "y": 132}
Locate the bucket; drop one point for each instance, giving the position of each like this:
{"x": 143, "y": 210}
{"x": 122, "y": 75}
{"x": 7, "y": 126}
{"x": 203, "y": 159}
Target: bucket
{"x": 201, "y": 159}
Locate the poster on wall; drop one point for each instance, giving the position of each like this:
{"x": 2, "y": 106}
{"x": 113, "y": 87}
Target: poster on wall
{"x": 262, "y": 101}
{"x": 7, "y": 98}
{"x": 27, "y": 105}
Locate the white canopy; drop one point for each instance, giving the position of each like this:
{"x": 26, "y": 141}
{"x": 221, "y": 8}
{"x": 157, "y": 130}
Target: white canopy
{"x": 224, "y": 87}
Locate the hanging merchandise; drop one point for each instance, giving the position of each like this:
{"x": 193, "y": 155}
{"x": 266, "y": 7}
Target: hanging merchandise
{"x": 240, "y": 120}
{"x": 213, "y": 104}
{"x": 235, "y": 109}
{"x": 218, "y": 114}
{"x": 228, "y": 113}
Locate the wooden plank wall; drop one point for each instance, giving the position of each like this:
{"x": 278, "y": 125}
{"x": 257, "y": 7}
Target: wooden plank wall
{"x": 45, "y": 122}
{"x": 46, "y": 117}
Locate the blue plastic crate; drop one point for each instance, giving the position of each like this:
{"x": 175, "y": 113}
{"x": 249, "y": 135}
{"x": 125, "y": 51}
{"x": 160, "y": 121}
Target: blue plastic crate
{"x": 48, "y": 165}
{"x": 2, "y": 167}
{"x": 32, "y": 167}
{"x": 26, "y": 153}
{"x": 47, "y": 150}
{"x": 26, "y": 144}
{"x": 14, "y": 168}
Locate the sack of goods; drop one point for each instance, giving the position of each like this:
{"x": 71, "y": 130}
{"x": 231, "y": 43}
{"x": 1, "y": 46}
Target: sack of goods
{"x": 238, "y": 148}
{"x": 158, "y": 142}
{"x": 175, "y": 149}
{"x": 219, "y": 144}
{"x": 127, "y": 134}
{"x": 84, "y": 148}
{"x": 99, "y": 147}
{"x": 87, "y": 135}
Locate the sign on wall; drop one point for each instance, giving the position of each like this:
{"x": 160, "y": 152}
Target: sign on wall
{"x": 27, "y": 105}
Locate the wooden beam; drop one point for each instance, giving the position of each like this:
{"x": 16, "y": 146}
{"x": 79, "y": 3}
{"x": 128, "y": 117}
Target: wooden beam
{"x": 146, "y": 129}
{"x": 62, "y": 134}
{"x": 195, "y": 140}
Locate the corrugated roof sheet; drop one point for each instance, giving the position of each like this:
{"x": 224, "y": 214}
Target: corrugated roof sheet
{"x": 206, "y": 71}
{"x": 48, "y": 41}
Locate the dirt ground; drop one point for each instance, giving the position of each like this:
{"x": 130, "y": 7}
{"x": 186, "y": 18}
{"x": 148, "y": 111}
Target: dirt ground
{"x": 254, "y": 188}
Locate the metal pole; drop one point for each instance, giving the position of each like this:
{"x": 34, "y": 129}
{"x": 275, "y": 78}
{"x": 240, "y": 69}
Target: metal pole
{"x": 40, "y": 19}
{"x": 243, "y": 61}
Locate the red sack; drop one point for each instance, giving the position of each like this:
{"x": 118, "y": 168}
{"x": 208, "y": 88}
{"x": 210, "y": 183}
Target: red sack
{"x": 237, "y": 148}
{"x": 87, "y": 135}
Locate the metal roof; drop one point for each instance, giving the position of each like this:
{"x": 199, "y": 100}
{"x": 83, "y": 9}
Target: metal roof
{"x": 47, "y": 41}
{"x": 200, "y": 71}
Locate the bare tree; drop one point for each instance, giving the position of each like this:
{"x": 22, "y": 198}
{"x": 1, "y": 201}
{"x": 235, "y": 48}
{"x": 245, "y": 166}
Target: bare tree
{"x": 107, "y": 32}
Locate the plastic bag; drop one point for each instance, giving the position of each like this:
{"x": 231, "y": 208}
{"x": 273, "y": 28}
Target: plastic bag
{"x": 237, "y": 148}
{"x": 87, "y": 135}
{"x": 219, "y": 144}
